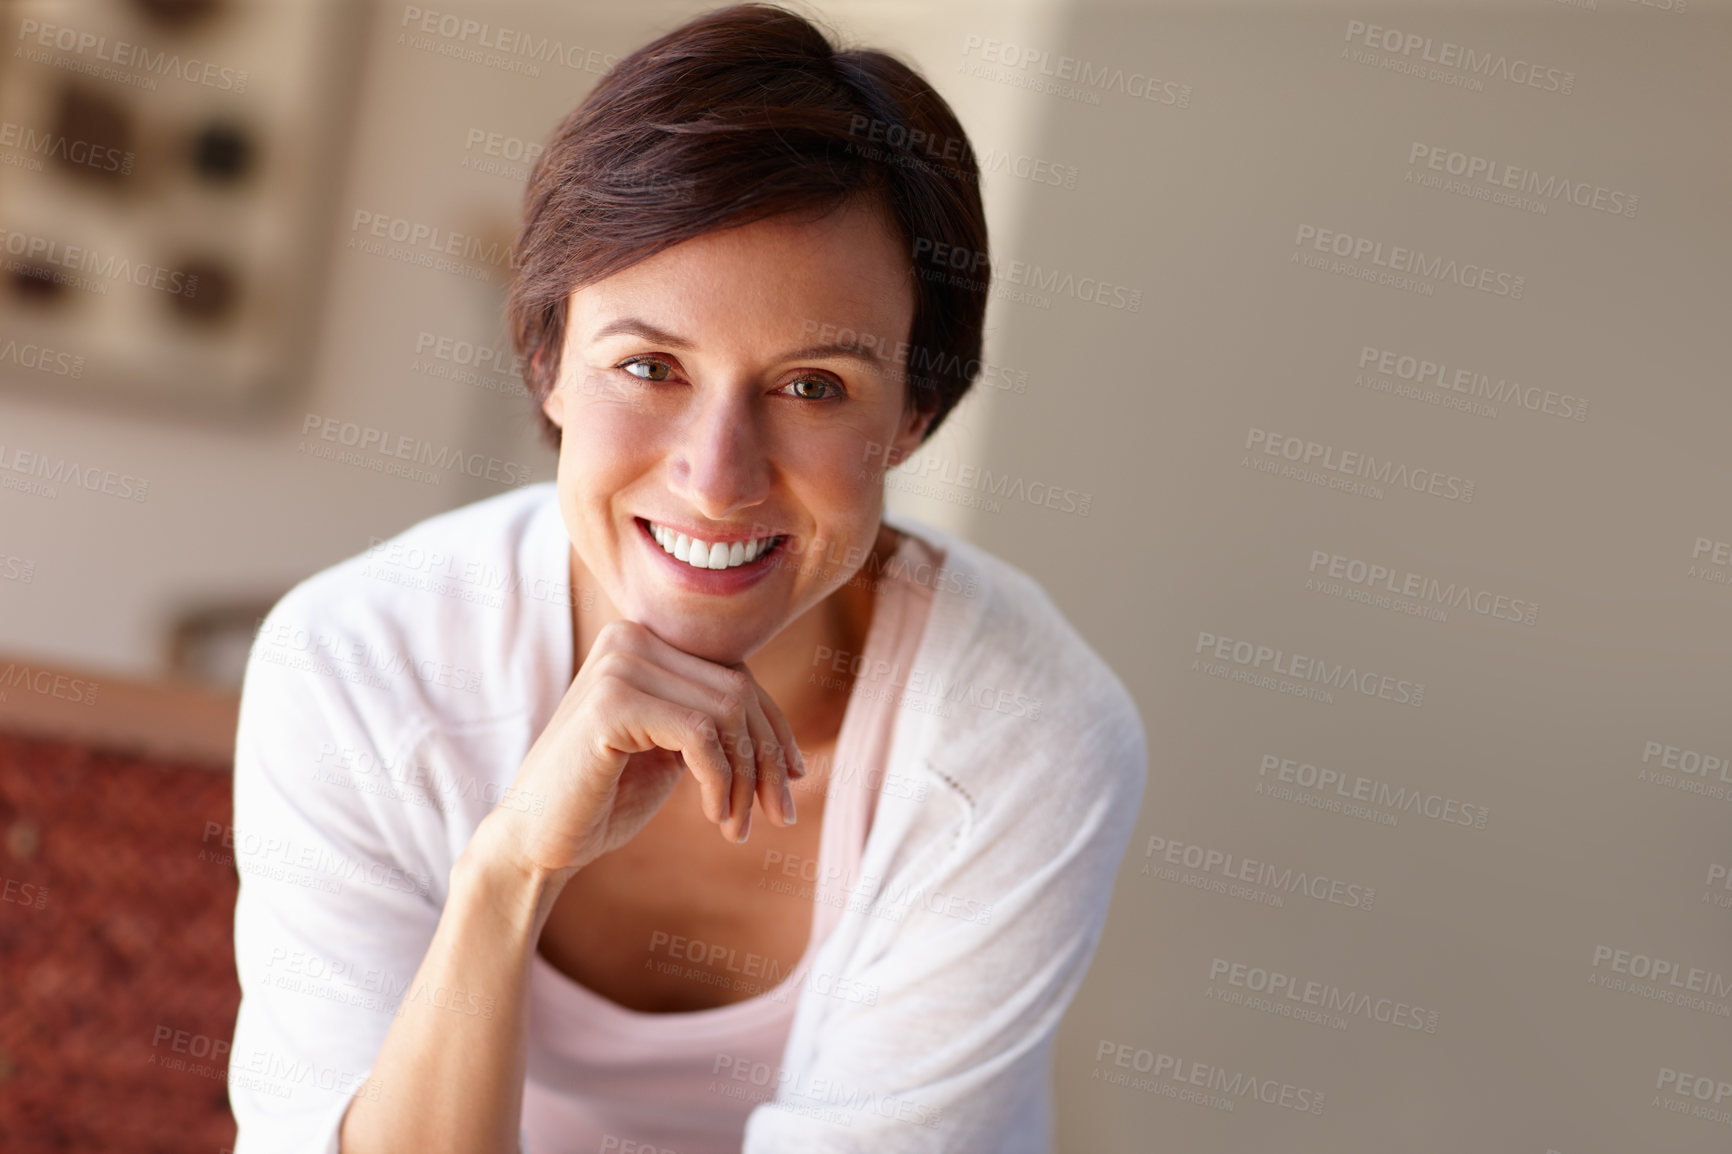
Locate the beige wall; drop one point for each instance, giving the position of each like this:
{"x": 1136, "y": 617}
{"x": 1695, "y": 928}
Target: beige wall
{"x": 1515, "y": 934}
{"x": 1508, "y": 944}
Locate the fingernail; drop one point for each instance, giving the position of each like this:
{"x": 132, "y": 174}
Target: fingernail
{"x": 746, "y": 828}
{"x": 788, "y": 801}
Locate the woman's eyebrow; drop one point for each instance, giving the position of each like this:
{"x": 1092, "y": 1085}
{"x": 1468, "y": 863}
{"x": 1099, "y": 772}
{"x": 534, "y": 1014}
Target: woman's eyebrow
{"x": 635, "y": 326}
{"x": 867, "y": 352}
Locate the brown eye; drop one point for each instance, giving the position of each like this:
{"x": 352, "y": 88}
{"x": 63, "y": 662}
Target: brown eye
{"x": 813, "y": 389}
{"x": 659, "y": 369}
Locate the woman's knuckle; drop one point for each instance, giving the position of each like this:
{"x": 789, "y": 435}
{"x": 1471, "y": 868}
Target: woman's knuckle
{"x": 607, "y": 692}
{"x": 618, "y": 635}
{"x": 702, "y": 727}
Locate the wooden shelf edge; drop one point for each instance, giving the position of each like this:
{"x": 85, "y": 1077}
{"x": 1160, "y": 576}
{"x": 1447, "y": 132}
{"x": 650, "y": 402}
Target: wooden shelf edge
{"x": 162, "y": 718}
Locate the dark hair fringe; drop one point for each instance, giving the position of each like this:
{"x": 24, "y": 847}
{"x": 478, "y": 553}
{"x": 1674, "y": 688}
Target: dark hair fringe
{"x": 744, "y": 113}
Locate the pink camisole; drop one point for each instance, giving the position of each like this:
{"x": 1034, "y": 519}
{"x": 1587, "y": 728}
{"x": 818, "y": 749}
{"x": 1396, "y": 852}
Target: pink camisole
{"x": 602, "y": 1077}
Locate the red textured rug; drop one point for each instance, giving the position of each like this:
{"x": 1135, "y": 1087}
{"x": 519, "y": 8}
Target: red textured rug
{"x": 117, "y": 981}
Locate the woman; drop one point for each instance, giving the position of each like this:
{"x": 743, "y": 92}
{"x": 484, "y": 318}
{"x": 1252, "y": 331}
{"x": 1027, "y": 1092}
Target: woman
{"x": 493, "y": 894}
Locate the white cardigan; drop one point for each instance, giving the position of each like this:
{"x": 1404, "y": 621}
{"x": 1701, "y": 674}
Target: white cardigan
{"x": 390, "y": 699}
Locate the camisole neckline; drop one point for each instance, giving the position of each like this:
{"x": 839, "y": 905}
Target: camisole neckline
{"x": 847, "y": 820}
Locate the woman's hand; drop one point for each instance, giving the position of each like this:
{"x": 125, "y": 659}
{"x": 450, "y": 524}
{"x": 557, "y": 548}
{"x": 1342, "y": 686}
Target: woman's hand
{"x": 638, "y": 714}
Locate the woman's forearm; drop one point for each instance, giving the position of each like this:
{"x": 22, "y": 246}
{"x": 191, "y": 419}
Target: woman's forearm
{"x": 637, "y": 717}
{"x": 449, "y": 1077}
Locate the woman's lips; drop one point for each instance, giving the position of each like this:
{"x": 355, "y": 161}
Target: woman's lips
{"x": 730, "y": 578}
{"x": 710, "y": 552}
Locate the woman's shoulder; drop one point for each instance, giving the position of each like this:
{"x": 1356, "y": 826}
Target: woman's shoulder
{"x": 1002, "y": 667}
{"x": 432, "y": 615}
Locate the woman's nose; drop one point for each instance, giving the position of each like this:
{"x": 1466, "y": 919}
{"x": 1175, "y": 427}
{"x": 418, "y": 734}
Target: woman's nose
{"x": 719, "y": 463}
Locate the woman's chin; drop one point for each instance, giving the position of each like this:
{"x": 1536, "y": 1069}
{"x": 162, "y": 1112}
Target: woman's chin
{"x": 723, "y": 642}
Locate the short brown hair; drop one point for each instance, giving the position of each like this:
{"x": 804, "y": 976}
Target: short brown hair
{"x": 741, "y": 114}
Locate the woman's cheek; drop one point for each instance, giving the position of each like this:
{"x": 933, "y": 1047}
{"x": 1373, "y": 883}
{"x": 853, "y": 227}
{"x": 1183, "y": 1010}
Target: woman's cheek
{"x": 605, "y": 437}
{"x": 845, "y": 463}
{"x": 853, "y": 501}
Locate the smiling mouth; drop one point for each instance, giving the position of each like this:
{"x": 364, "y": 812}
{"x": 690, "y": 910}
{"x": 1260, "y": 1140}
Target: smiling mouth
{"x": 711, "y": 554}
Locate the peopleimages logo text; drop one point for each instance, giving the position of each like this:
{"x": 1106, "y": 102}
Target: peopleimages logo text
{"x": 1353, "y": 463}
{"x": 366, "y": 438}
{"x": 1399, "y": 258}
{"x": 1302, "y": 667}
{"x": 63, "y": 471}
{"x": 1448, "y": 54}
{"x": 129, "y": 55}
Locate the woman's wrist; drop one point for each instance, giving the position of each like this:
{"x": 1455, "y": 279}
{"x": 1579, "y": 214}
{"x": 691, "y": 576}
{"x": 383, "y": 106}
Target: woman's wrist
{"x": 477, "y": 965}
{"x": 493, "y": 868}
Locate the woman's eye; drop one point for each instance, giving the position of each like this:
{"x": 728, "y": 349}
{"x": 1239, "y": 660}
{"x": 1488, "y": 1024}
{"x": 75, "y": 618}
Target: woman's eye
{"x": 813, "y": 389}
{"x": 655, "y": 370}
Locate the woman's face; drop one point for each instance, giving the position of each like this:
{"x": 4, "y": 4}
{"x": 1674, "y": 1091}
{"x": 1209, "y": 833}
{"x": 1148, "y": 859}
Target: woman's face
{"x": 705, "y": 392}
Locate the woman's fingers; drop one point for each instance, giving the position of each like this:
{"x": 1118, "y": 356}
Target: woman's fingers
{"x": 646, "y": 643}
{"x": 784, "y": 731}
{"x": 641, "y": 719}
{"x": 630, "y": 637}
{"x": 737, "y": 700}
{"x": 757, "y": 739}
{"x": 728, "y": 707}
{"x": 724, "y": 710}
{"x": 773, "y": 792}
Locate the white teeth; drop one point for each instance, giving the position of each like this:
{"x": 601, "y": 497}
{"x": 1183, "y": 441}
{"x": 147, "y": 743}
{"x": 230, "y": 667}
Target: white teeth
{"x": 710, "y": 555}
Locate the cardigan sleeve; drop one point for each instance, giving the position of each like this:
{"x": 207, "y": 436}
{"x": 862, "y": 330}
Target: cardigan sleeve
{"x": 333, "y": 915}
{"x": 953, "y": 1053}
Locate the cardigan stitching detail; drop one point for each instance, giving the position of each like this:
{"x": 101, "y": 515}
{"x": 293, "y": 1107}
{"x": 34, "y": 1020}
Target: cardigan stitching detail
{"x": 957, "y": 786}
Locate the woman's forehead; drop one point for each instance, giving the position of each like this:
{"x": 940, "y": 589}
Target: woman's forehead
{"x": 764, "y": 279}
